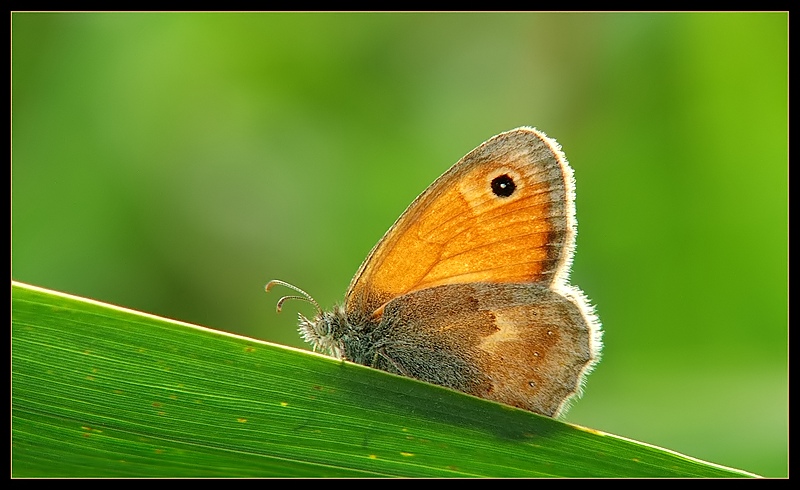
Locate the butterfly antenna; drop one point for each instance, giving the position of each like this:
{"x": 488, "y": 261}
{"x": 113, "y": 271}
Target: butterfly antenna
{"x": 305, "y": 296}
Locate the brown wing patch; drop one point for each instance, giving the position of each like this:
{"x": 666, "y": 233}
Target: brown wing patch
{"x": 543, "y": 348}
{"x": 519, "y": 344}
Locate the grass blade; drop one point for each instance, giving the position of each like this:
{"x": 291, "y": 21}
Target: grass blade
{"x": 99, "y": 390}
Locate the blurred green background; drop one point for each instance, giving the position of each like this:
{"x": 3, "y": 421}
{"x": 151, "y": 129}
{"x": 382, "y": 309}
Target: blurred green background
{"x": 174, "y": 163}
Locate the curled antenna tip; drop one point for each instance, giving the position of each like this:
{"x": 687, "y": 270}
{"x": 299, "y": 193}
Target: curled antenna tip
{"x": 282, "y": 300}
{"x": 305, "y": 296}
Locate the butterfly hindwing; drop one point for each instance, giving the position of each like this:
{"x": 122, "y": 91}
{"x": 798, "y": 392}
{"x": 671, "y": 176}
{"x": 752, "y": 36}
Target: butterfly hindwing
{"x": 521, "y": 344}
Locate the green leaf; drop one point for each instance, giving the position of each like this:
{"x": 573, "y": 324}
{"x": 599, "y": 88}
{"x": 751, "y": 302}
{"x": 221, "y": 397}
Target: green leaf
{"x": 99, "y": 390}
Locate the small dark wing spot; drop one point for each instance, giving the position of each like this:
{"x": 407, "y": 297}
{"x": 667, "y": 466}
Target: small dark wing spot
{"x": 503, "y": 186}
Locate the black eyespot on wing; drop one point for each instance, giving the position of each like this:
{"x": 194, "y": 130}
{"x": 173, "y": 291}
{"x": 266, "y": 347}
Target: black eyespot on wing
{"x": 503, "y": 186}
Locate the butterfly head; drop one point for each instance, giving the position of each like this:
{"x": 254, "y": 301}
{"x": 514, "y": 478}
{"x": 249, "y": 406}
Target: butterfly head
{"x": 324, "y": 331}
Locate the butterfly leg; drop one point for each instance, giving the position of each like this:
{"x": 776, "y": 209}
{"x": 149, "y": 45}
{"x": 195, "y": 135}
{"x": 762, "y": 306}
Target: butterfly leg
{"x": 382, "y": 353}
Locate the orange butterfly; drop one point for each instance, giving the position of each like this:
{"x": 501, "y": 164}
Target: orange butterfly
{"x": 468, "y": 289}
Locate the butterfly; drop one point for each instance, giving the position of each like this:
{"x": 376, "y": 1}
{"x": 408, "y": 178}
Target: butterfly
{"x": 469, "y": 288}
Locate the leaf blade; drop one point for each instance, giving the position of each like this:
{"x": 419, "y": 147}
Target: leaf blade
{"x": 99, "y": 390}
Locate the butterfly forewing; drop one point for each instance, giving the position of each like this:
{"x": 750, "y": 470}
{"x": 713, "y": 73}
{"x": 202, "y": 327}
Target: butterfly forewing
{"x": 501, "y": 215}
